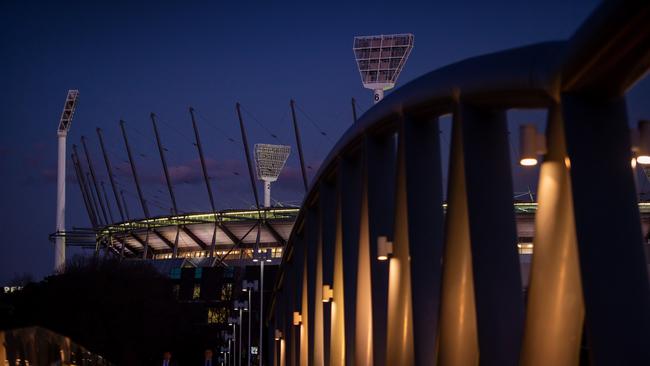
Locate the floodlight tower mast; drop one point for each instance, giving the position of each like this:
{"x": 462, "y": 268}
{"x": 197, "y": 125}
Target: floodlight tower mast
{"x": 269, "y": 161}
{"x": 380, "y": 60}
{"x": 62, "y": 132}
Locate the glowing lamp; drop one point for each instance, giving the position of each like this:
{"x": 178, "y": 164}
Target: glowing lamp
{"x": 531, "y": 144}
{"x": 297, "y": 318}
{"x": 328, "y": 293}
{"x": 384, "y": 248}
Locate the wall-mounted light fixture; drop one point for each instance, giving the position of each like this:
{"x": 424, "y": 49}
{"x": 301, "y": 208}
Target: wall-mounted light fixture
{"x": 249, "y": 285}
{"x": 384, "y": 248}
{"x": 328, "y": 293}
{"x": 278, "y": 334}
{"x": 297, "y": 318}
{"x": 531, "y": 145}
{"x": 641, "y": 142}
{"x": 241, "y": 305}
{"x": 232, "y": 320}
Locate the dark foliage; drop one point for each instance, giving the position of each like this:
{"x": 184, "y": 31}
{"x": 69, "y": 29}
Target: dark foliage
{"x": 124, "y": 311}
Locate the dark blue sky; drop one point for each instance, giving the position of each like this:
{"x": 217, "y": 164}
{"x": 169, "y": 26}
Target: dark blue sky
{"x": 129, "y": 59}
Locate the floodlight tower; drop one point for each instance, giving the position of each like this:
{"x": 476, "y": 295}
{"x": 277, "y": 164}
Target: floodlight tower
{"x": 62, "y": 132}
{"x": 269, "y": 161}
{"x": 380, "y": 60}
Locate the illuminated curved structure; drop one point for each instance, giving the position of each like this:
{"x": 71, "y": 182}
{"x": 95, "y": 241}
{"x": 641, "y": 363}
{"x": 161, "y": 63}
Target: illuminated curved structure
{"x": 451, "y": 290}
{"x": 237, "y": 234}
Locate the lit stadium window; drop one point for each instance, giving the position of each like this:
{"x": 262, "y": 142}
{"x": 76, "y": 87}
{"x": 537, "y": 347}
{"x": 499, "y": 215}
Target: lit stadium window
{"x": 226, "y": 291}
{"x": 196, "y": 294}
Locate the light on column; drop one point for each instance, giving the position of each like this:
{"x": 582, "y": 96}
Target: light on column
{"x": 642, "y": 145}
{"x": 531, "y": 145}
{"x": 297, "y": 318}
{"x": 328, "y": 293}
{"x": 384, "y": 248}
{"x": 278, "y": 334}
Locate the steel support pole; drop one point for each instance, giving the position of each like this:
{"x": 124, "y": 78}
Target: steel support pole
{"x": 108, "y": 206}
{"x": 327, "y": 203}
{"x": 351, "y": 190}
{"x": 94, "y": 179}
{"x": 380, "y": 164}
{"x": 109, "y": 170}
{"x": 610, "y": 246}
{"x": 250, "y": 336}
{"x": 126, "y": 208}
{"x": 296, "y": 131}
{"x": 493, "y": 233}
{"x": 84, "y": 192}
{"x": 399, "y": 318}
{"x": 134, "y": 171}
{"x": 261, "y": 341}
{"x": 164, "y": 164}
{"x": 354, "y": 111}
{"x": 241, "y": 315}
{"x": 458, "y": 339}
{"x": 59, "y": 241}
{"x": 248, "y": 155}
{"x": 204, "y": 169}
{"x": 93, "y": 194}
{"x": 420, "y": 137}
{"x": 555, "y": 305}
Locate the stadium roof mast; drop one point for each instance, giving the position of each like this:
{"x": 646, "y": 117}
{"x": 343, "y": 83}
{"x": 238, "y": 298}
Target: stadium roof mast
{"x": 380, "y": 60}
{"x": 62, "y": 132}
{"x": 269, "y": 161}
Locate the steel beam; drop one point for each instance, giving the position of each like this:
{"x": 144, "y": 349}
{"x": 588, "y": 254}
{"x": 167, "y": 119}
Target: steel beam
{"x": 109, "y": 171}
{"x": 379, "y": 156}
{"x": 275, "y": 234}
{"x": 296, "y": 131}
{"x": 134, "y": 171}
{"x": 94, "y": 179}
{"x": 420, "y": 137}
{"x": 164, "y": 164}
{"x": 349, "y": 187}
{"x": 204, "y": 169}
{"x": 610, "y": 244}
{"x": 196, "y": 239}
{"x": 493, "y": 233}
{"x": 248, "y": 155}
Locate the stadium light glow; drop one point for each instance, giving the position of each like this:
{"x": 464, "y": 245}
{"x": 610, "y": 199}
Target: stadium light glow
{"x": 269, "y": 161}
{"x": 380, "y": 60}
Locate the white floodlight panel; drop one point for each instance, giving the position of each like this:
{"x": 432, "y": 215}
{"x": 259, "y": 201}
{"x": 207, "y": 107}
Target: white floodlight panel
{"x": 380, "y": 59}
{"x": 68, "y": 111}
{"x": 269, "y": 160}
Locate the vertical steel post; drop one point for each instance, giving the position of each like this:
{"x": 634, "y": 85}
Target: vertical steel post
{"x": 109, "y": 170}
{"x": 613, "y": 269}
{"x": 108, "y": 206}
{"x": 59, "y": 246}
{"x": 80, "y": 181}
{"x": 164, "y": 164}
{"x": 493, "y": 233}
{"x": 94, "y": 179}
{"x": 420, "y": 136}
{"x": 296, "y": 130}
{"x": 248, "y": 156}
{"x": 206, "y": 179}
{"x": 93, "y": 195}
{"x": 126, "y": 208}
{"x": 143, "y": 202}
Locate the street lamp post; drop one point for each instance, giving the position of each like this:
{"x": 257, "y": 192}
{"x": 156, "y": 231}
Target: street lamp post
{"x": 249, "y": 286}
{"x": 241, "y": 306}
{"x": 261, "y": 256}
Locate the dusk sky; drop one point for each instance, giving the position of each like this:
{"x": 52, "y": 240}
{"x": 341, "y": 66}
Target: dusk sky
{"x": 128, "y": 60}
